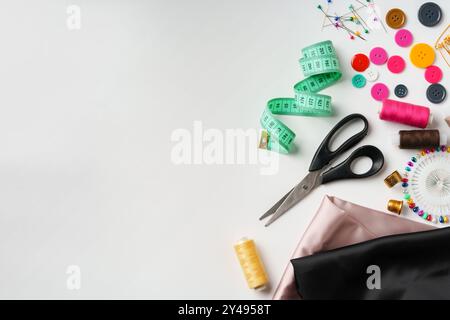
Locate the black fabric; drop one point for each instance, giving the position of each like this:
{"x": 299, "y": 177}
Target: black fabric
{"x": 412, "y": 266}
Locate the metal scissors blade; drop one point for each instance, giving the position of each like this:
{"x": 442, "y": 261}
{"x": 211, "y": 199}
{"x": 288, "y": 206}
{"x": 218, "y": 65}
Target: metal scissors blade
{"x": 297, "y": 194}
{"x": 322, "y": 160}
{"x": 275, "y": 206}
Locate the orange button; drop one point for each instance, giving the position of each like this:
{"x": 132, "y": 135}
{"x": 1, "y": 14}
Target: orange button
{"x": 422, "y": 55}
{"x": 395, "y": 18}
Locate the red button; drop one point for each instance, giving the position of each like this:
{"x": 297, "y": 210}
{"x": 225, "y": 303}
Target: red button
{"x": 433, "y": 74}
{"x": 360, "y": 62}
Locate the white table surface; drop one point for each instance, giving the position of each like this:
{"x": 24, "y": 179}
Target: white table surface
{"x": 86, "y": 122}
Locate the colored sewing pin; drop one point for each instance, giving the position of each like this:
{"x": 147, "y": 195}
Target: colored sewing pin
{"x": 365, "y": 25}
{"x": 371, "y": 6}
{"x": 336, "y": 24}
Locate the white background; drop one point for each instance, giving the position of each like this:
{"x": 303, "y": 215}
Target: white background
{"x": 86, "y": 123}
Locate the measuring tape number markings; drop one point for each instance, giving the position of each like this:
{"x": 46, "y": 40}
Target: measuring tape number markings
{"x": 320, "y": 66}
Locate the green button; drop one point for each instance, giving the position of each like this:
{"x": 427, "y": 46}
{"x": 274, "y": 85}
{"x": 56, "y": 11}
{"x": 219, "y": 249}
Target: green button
{"x": 358, "y": 81}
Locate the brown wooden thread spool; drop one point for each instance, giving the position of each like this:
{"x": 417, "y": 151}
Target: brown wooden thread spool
{"x": 417, "y": 139}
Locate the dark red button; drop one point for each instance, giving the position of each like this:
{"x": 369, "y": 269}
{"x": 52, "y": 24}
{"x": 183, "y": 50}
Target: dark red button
{"x": 360, "y": 62}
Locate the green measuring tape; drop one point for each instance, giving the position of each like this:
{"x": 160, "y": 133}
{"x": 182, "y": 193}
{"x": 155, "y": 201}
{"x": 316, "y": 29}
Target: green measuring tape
{"x": 320, "y": 67}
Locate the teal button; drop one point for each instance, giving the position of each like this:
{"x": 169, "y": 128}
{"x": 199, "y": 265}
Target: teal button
{"x": 358, "y": 81}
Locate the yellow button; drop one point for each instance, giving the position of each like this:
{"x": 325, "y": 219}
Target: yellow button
{"x": 422, "y": 55}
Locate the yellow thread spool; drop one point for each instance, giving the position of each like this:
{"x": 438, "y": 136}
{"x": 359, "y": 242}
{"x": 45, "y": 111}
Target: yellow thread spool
{"x": 251, "y": 264}
{"x": 395, "y": 206}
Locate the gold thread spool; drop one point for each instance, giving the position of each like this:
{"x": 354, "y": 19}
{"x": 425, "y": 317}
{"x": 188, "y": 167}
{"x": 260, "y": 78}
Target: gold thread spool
{"x": 251, "y": 264}
{"x": 393, "y": 179}
{"x": 395, "y": 206}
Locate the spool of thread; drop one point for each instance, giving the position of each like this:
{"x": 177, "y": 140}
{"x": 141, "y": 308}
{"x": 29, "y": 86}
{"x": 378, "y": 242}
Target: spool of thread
{"x": 406, "y": 113}
{"x": 393, "y": 179}
{"x": 418, "y": 139}
{"x": 251, "y": 264}
{"x": 395, "y": 206}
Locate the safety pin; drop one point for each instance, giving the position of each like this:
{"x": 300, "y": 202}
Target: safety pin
{"x": 441, "y": 45}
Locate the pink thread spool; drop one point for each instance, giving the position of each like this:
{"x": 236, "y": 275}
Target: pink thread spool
{"x": 406, "y": 113}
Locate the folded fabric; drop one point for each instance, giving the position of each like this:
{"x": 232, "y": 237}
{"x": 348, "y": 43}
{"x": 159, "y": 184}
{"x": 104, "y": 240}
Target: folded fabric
{"x": 339, "y": 223}
{"x": 408, "y": 266}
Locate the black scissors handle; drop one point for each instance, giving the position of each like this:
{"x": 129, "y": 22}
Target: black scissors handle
{"x": 344, "y": 169}
{"x": 324, "y": 155}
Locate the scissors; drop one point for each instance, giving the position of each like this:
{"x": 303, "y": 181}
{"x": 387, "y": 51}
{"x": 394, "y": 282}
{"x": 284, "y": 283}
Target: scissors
{"x": 318, "y": 173}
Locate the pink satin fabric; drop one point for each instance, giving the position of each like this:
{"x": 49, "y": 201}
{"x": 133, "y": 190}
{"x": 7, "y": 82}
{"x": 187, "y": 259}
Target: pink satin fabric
{"x": 339, "y": 223}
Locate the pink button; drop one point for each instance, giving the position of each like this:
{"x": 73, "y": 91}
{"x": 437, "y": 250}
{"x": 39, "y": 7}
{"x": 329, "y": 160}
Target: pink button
{"x": 396, "y": 64}
{"x": 403, "y": 38}
{"x": 433, "y": 74}
{"x": 378, "y": 56}
{"x": 379, "y": 91}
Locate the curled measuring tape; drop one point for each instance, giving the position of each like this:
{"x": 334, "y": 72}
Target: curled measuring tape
{"x": 320, "y": 66}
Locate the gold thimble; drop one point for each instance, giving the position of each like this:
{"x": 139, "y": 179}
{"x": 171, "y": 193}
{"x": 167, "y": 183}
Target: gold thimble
{"x": 395, "y": 206}
{"x": 393, "y": 179}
